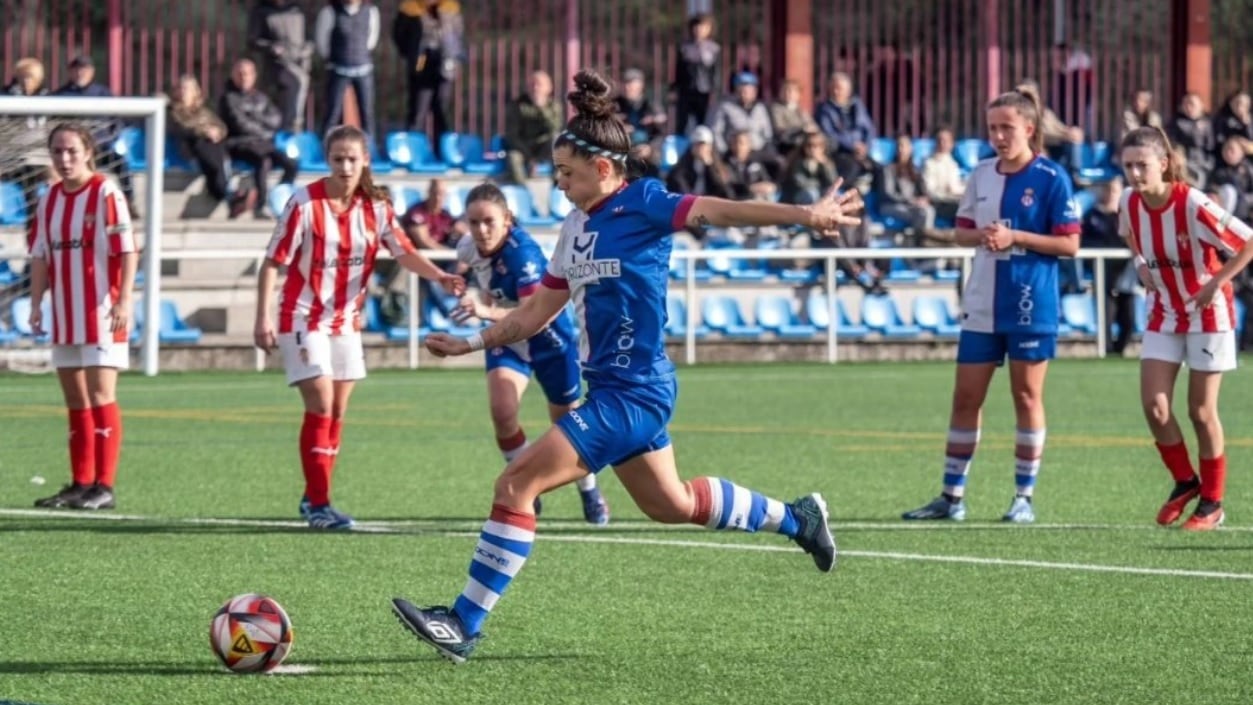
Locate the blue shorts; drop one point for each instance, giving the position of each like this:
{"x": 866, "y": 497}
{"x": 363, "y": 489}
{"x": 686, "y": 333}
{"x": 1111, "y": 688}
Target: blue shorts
{"x": 556, "y": 372}
{"x": 975, "y": 347}
{"x": 617, "y": 423}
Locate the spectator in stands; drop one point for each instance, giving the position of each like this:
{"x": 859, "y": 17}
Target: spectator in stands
{"x": 430, "y": 38}
{"x": 902, "y": 194}
{"x": 202, "y": 134}
{"x": 942, "y": 178}
{"x": 1193, "y": 130}
{"x": 531, "y": 125}
{"x": 745, "y": 113}
{"x": 700, "y": 171}
{"x": 82, "y": 83}
{"x": 1062, "y": 142}
{"x": 1232, "y": 179}
{"x": 252, "y": 120}
{"x": 276, "y": 29}
{"x": 1140, "y": 113}
{"x": 696, "y": 69}
{"x": 1074, "y": 82}
{"x": 748, "y": 175}
{"x": 1099, "y": 229}
{"x": 647, "y": 121}
{"x": 843, "y": 117}
{"x": 431, "y": 227}
{"x": 346, "y": 34}
{"x": 791, "y": 122}
{"x": 32, "y": 167}
{"x": 1235, "y": 121}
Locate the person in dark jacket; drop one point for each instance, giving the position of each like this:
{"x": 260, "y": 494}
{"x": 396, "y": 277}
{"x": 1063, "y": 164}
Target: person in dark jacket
{"x": 1193, "y": 130}
{"x": 429, "y": 35}
{"x": 531, "y": 124}
{"x": 346, "y": 34}
{"x": 83, "y": 83}
{"x": 276, "y": 29}
{"x": 252, "y": 120}
{"x": 696, "y": 74}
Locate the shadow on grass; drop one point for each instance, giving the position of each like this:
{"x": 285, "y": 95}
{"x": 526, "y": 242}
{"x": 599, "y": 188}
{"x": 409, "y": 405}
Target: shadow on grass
{"x": 318, "y": 668}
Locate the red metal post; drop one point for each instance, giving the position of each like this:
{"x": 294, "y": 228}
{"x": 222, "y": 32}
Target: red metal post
{"x": 574, "y": 45}
{"x": 991, "y": 31}
{"x": 1192, "y": 51}
{"x": 792, "y": 43}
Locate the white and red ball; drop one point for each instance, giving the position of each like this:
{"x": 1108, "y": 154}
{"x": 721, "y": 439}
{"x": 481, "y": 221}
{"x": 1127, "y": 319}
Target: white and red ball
{"x": 251, "y": 634}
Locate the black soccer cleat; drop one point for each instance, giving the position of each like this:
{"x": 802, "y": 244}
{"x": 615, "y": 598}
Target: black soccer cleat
{"x": 438, "y": 626}
{"x": 95, "y": 497}
{"x": 65, "y": 498}
{"x": 814, "y": 534}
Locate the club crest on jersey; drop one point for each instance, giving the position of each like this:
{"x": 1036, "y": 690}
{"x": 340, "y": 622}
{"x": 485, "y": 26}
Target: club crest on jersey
{"x": 1028, "y": 198}
{"x": 582, "y": 267}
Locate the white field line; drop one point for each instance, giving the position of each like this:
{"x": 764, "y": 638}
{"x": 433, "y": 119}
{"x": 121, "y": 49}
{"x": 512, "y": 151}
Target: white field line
{"x": 394, "y": 528}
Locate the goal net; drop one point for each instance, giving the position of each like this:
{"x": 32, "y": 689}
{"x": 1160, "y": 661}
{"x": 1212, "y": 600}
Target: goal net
{"x": 130, "y": 138}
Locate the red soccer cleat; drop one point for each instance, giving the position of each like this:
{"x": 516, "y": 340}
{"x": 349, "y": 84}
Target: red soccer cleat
{"x": 1209, "y": 522}
{"x": 1175, "y": 506}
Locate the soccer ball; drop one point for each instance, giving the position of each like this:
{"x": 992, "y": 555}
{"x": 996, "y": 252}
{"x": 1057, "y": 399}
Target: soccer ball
{"x": 251, "y": 634}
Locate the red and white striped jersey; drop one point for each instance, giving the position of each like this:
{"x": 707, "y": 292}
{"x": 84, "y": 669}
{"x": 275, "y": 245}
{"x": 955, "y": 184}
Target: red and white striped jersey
{"x": 1181, "y": 242}
{"x": 330, "y": 257}
{"x": 82, "y": 235}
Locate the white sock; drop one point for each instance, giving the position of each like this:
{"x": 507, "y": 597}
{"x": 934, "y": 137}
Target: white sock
{"x": 587, "y": 482}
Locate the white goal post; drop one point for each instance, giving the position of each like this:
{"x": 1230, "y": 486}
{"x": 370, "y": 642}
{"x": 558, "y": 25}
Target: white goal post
{"x": 152, "y": 110}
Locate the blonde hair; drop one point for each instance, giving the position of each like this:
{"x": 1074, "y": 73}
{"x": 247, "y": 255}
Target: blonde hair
{"x": 367, "y": 187}
{"x": 29, "y": 66}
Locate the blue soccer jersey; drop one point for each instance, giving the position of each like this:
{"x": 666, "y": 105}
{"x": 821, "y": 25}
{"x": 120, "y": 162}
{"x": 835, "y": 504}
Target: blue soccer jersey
{"x": 511, "y": 273}
{"x": 1016, "y": 291}
{"x": 615, "y": 261}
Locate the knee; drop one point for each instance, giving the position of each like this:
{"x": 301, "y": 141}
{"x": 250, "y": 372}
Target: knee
{"x": 966, "y": 402}
{"x": 504, "y": 414}
{"x": 1027, "y": 401}
{"x": 514, "y": 487}
{"x": 1157, "y": 410}
{"x": 1202, "y": 414}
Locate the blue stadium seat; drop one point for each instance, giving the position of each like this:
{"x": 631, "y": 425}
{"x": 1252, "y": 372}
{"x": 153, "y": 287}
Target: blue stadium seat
{"x": 412, "y": 150}
{"x": 379, "y": 162}
{"x": 816, "y": 312}
{"x": 173, "y": 329}
{"x": 8, "y": 336}
{"x": 672, "y": 147}
{"x": 465, "y": 151}
{"x": 278, "y": 197}
{"x": 1239, "y": 312}
{"x": 1097, "y": 162}
{"x": 969, "y": 152}
{"x": 883, "y": 150}
{"x": 722, "y": 314}
{"x": 932, "y": 314}
{"x": 559, "y": 204}
{"x": 880, "y": 314}
{"x": 19, "y": 313}
{"x": 522, "y": 205}
{"x": 924, "y": 147}
{"x": 12, "y": 204}
{"x": 306, "y": 149}
{"x": 677, "y": 320}
{"x": 1079, "y": 313}
{"x": 1142, "y": 313}
{"x": 455, "y": 201}
{"x": 7, "y": 275}
{"x": 130, "y": 144}
{"x": 775, "y": 314}
{"x": 404, "y": 198}
{"x": 371, "y": 316}
{"x": 901, "y": 270}
{"x": 871, "y": 201}
{"x": 678, "y": 267}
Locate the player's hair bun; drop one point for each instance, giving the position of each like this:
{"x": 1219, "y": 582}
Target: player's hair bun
{"x": 591, "y": 95}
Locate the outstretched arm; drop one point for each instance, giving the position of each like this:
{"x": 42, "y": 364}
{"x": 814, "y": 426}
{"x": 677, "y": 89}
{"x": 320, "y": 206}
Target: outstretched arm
{"x": 833, "y": 210}
{"x": 529, "y": 318}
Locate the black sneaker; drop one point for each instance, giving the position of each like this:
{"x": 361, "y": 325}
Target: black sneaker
{"x": 96, "y": 497}
{"x": 65, "y": 498}
{"x": 438, "y": 626}
{"x": 814, "y": 534}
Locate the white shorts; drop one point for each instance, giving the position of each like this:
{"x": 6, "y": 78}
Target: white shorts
{"x": 1203, "y": 352}
{"x": 309, "y": 355}
{"x": 115, "y": 355}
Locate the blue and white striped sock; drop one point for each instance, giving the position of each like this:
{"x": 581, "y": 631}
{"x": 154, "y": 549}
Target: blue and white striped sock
{"x": 1028, "y": 450}
{"x": 502, "y": 549}
{"x": 958, "y": 453}
{"x": 722, "y": 504}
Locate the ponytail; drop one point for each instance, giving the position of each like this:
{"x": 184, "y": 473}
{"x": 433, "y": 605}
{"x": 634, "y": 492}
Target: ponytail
{"x": 371, "y": 190}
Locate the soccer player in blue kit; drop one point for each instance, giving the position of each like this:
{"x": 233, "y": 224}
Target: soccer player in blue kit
{"x": 508, "y": 265}
{"x": 612, "y": 260}
{"x": 1020, "y": 215}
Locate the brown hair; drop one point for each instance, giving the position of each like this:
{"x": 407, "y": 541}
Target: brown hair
{"x": 367, "y": 187}
{"x": 596, "y": 131}
{"x": 490, "y": 193}
{"x": 1026, "y": 101}
{"x": 83, "y": 134}
{"x": 1156, "y": 138}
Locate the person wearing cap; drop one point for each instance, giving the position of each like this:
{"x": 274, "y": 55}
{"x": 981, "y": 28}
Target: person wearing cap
{"x": 105, "y": 131}
{"x": 745, "y": 113}
{"x": 700, "y": 171}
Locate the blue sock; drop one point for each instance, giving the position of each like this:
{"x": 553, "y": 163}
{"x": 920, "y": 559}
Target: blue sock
{"x": 502, "y": 549}
{"x": 722, "y": 504}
